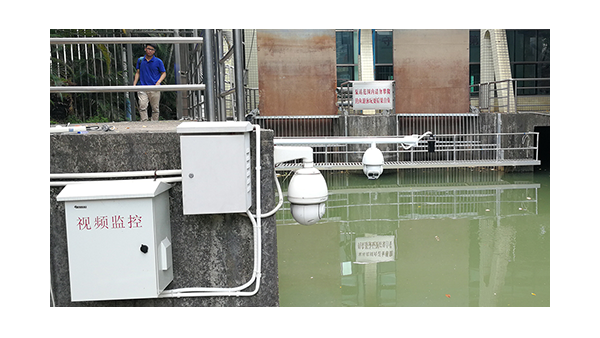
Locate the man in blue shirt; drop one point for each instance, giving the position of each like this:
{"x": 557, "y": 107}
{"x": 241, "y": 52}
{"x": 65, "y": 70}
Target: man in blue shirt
{"x": 150, "y": 72}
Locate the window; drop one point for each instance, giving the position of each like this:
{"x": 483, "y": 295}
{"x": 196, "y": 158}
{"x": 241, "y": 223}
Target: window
{"x": 474, "y": 59}
{"x": 384, "y": 55}
{"x": 346, "y": 56}
{"x": 529, "y": 52}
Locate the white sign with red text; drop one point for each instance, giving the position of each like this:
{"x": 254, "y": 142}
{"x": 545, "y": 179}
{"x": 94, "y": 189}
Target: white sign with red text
{"x": 373, "y": 95}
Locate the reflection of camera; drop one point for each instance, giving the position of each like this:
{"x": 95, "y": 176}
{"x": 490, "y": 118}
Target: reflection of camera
{"x": 307, "y": 193}
{"x": 373, "y": 162}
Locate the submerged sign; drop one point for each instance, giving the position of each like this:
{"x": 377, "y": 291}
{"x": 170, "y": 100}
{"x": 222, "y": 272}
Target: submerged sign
{"x": 373, "y": 95}
{"x": 375, "y": 249}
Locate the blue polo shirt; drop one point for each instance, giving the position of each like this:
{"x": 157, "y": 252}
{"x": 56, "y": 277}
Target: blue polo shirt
{"x": 150, "y": 71}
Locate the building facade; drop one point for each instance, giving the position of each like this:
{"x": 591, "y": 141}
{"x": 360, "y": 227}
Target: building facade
{"x": 299, "y": 70}
{"x": 435, "y": 71}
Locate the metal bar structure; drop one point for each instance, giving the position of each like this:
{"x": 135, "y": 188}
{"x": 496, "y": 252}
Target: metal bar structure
{"x": 529, "y": 94}
{"x": 195, "y": 99}
{"x": 125, "y": 40}
{"x": 451, "y": 150}
{"x": 117, "y": 89}
{"x": 214, "y": 62}
{"x": 106, "y": 45}
{"x": 216, "y": 76}
{"x": 209, "y": 75}
{"x": 240, "y": 97}
{"x": 220, "y": 75}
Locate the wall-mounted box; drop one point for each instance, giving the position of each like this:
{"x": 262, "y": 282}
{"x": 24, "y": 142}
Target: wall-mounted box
{"x": 215, "y": 165}
{"x": 118, "y": 238}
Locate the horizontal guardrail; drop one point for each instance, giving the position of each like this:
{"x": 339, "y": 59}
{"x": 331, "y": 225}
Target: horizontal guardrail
{"x": 125, "y": 40}
{"x": 116, "y": 89}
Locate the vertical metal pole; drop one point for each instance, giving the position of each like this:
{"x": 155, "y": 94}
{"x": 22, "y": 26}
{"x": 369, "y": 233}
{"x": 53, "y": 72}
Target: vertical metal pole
{"x": 177, "y": 70}
{"x": 238, "y": 64}
{"x": 126, "y": 82}
{"x": 184, "y": 67}
{"x": 220, "y": 76}
{"x": 209, "y": 74}
{"x": 537, "y": 147}
{"x": 196, "y": 78}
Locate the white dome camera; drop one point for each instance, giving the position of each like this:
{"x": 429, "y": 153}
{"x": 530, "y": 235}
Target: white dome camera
{"x": 373, "y": 162}
{"x": 307, "y": 193}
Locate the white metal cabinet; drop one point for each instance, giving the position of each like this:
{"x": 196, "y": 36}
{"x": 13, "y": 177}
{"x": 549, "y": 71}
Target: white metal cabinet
{"x": 215, "y": 165}
{"x": 119, "y": 239}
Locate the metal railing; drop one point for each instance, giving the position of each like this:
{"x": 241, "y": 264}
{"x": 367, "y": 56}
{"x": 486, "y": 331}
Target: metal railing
{"x": 205, "y": 100}
{"x": 512, "y": 95}
{"x": 302, "y": 126}
{"x": 93, "y": 59}
{"x": 451, "y": 150}
{"x": 123, "y": 40}
{"x": 120, "y": 89}
{"x": 252, "y": 99}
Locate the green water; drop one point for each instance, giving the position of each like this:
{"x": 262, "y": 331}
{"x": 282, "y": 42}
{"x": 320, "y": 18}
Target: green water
{"x": 421, "y": 238}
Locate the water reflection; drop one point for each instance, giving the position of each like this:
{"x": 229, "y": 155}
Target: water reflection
{"x": 434, "y": 237}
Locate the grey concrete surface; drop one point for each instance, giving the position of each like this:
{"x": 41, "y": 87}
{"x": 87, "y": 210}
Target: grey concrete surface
{"x": 208, "y": 250}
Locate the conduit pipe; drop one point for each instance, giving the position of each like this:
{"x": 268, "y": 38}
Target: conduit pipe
{"x": 116, "y": 174}
{"x": 124, "y": 174}
{"x": 174, "y": 179}
{"x": 256, "y": 274}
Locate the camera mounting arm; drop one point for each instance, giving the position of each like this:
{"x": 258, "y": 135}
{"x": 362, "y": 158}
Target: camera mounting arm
{"x": 284, "y": 154}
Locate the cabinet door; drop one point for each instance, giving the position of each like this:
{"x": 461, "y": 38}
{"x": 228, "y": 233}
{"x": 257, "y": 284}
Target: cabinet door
{"x": 215, "y": 174}
{"x": 112, "y": 249}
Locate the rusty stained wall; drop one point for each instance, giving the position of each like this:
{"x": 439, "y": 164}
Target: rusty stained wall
{"x": 297, "y": 73}
{"x": 431, "y": 69}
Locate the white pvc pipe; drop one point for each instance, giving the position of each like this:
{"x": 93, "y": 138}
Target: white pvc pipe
{"x": 61, "y": 129}
{"x": 256, "y": 274}
{"x": 113, "y": 174}
{"x": 160, "y": 179}
{"x": 280, "y": 194}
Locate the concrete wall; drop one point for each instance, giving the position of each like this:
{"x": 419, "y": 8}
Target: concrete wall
{"x": 431, "y": 70}
{"x": 297, "y": 72}
{"x": 512, "y": 123}
{"x": 517, "y": 123}
{"x": 208, "y": 250}
{"x": 371, "y": 125}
